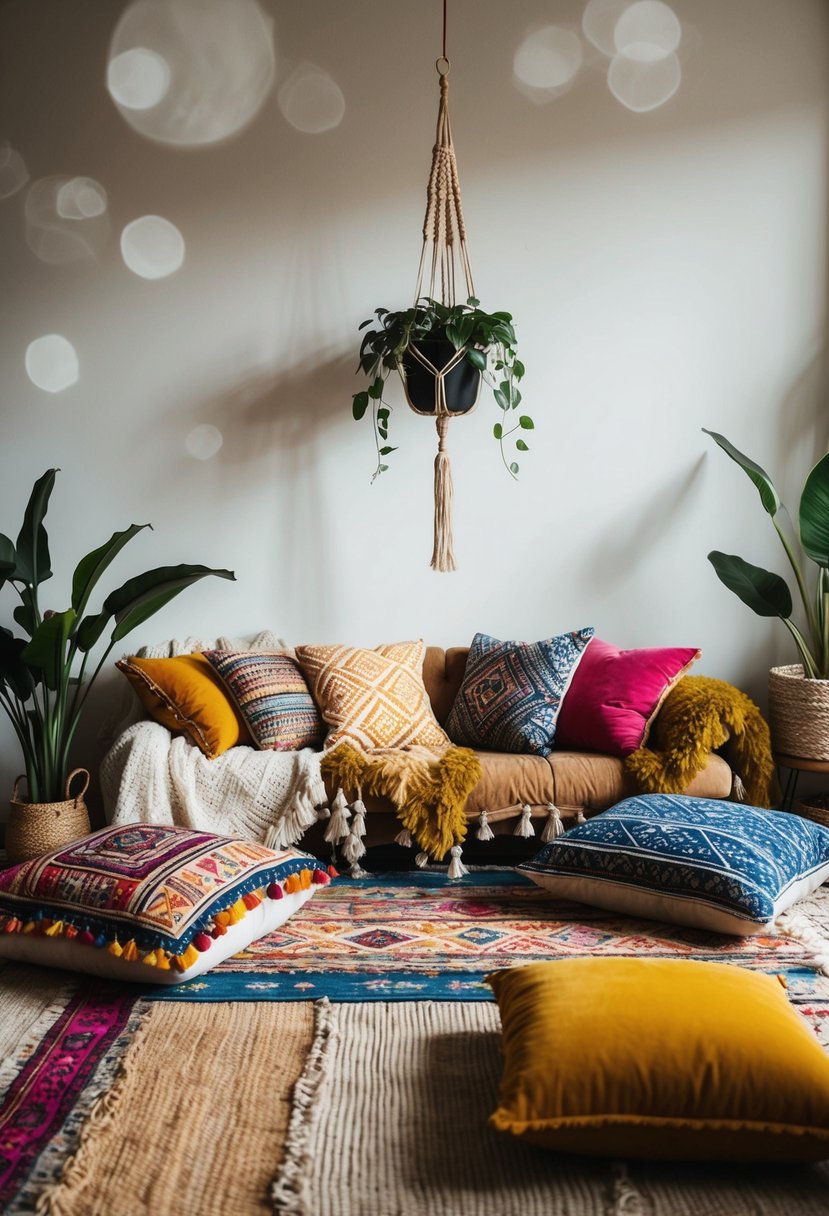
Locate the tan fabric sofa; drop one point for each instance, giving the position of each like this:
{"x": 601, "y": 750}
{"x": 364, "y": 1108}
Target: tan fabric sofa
{"x": 573, "y": 781}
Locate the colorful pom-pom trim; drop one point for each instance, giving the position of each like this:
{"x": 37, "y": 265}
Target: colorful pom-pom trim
{"x": 215, "y": 927}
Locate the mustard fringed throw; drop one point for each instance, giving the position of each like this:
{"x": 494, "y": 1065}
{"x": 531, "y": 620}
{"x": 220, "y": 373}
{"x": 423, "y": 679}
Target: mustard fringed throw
{"x": 428, "y": 789}
{"x": 700, "y": 715}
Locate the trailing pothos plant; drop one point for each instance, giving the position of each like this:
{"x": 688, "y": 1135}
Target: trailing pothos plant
{"x": 767, "y": 593}
{"x": 488, "y": 343}
{"x": 44, "y": 684}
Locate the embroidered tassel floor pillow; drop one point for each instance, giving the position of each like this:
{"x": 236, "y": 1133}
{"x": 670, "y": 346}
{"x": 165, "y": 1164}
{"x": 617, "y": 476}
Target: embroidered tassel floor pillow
{"x": 148, "y": 903}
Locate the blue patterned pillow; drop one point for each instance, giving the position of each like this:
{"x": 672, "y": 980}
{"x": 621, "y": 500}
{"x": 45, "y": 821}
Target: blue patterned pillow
{"x": 693, "y": 861}
{"x": 512, "y": 692}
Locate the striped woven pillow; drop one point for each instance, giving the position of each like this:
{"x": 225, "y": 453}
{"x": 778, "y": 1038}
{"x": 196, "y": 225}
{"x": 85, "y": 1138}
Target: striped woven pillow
{"x": 272, "y": 696}
{"x": 373, "y": 698}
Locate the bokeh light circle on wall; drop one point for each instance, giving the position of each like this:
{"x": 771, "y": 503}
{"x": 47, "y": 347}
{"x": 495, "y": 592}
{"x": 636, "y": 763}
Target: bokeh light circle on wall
{"x": 644, "y": 84}
{"x": 599, "y": 23}
{"x": 647, "y": 30}
{"x": 204, "y": 441}
{"x": 137, "y": 79}
{"x": 80, "y": 198}
{"x": 311, "y": 100}
{"x": 13, "y": 171}
{"x": 191, "y": 72}
{"x": 52, "y": 363}
{"x": 548, "y": 58}
{"x": 66, "y": 219}
{"x": 152, "y": 247}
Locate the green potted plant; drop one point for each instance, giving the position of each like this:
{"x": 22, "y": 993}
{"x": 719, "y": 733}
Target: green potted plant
{"x": 44, "y": 682}
{"x": 798, "y": 693}
{"x": 441, "y": 353}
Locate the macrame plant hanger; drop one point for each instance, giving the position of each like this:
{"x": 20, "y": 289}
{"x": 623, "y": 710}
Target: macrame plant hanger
{"x": 445, "y": 251}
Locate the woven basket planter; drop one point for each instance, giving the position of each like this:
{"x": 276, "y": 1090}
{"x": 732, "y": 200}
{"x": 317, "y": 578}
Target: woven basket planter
{"x": 35, "y": 828}
{"x": 815, "y": 807}
{"x": 798, "y": 713}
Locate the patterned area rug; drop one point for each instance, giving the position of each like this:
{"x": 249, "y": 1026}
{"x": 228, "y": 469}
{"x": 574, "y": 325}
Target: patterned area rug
{"x": 399, "y": 937}
{"x": 390, "y": 1116}
{"x": 88, "y": 1069}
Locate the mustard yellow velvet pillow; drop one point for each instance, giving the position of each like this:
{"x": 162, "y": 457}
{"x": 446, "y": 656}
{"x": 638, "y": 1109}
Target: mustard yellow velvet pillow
{"x": 659, "y": 1059}
{"x": 186, "y": 695}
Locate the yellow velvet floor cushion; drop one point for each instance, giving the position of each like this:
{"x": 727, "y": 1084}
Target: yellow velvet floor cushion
{"x": 659, "y": 1059}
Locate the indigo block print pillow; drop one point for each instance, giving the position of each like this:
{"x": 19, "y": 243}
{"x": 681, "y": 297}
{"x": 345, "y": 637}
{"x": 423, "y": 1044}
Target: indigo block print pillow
{"x": 693, "y": 861}
{"x": 512, "y": 692}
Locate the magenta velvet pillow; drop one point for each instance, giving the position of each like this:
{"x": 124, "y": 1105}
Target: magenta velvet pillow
{"x": 615, "y": 695}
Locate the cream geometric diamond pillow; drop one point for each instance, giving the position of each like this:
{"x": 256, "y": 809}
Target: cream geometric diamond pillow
{"x": 372, "y": 698}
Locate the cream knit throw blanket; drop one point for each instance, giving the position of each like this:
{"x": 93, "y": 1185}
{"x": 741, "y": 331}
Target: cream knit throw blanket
{"x": 151, "y": 776}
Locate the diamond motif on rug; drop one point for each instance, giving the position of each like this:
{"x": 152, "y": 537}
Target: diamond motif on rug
{"x": 378, "y": 939}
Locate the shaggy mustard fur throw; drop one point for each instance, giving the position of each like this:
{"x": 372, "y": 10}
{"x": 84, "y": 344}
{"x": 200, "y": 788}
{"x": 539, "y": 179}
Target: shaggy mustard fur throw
{"x": 700, "y": 715}
{"x": 428, "y": 789}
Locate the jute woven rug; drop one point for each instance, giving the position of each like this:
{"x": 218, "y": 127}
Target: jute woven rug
{"x": 196, "y": 1119}
{"x": 390, "y": 1119}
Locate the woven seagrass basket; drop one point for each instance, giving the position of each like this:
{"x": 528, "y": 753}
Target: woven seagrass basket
{"x": 35, "y": 828}
{"x": 815, "y": 806}
{"x": 798, "y": 713}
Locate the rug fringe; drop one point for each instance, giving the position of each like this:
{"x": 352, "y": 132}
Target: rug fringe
{"x": 61, "y": 1198}
{"x": 38, "y": 1029}
{"x": 797, "y": 927}
{"x": 627, "y": 1201}
{"x": 287, "y": 1189}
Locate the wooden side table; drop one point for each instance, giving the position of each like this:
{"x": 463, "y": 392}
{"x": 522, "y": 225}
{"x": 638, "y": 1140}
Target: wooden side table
{"x": 796, "y": 765}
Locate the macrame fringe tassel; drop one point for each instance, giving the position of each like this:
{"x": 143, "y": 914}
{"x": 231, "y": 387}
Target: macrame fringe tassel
{"x": 443, "y": 552}
{"x": 456, "y": 867}
{"x": 738, "y": 790}
{"x": 354, "y": 849}
{"x": 404, "y": 839}
{"x": 580, "y": 817}
{"x": 422, "y": 860}
{"x": 484, "y": 831}
{"x": 524, "y": 827}
{"x": 337, "y": 829}
{"x": 553, "y": 828}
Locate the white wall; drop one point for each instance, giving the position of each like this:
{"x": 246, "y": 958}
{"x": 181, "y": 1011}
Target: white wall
{"x": 666, "y": 270}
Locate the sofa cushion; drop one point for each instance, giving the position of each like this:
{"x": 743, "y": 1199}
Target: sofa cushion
{"x": 271, "y": 694}
{"x": 659, "y": 1058}
{"x": 512, "y": 692}
{"x": 615, "y": 695}
{"x": 372, "y": 698}
{"x": 693, "y": 861}
{"x": 150, "y": 903}
{"x": 187, "y": 696}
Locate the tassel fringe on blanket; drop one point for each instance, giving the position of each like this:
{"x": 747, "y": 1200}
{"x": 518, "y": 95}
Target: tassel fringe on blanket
{"x": 700, "y": 715}
{"x": 428, "y": 789}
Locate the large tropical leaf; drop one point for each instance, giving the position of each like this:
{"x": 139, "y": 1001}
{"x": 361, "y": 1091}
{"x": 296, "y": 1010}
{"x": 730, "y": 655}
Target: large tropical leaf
{"x": 33, "y": 562}
{"x": 765, "y": 593}
{"x": 91, "y": 567}
{"x": 8, "y": 558}
{"x": 24, "y": 613}
{"x": 47, "y": 649}
{"x": 814, "y": 514}
{"x": 140, "y": 598}
{"x": 13, "y": 671}
{"x": 768, "y": 494}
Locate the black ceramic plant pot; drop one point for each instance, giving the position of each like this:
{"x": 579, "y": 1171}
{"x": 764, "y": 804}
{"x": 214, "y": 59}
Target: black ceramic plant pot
{"x": 461, "y": 385}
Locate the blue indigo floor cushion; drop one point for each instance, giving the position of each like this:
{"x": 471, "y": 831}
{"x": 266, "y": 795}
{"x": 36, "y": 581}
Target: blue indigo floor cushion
{"x": 693, "y": 861}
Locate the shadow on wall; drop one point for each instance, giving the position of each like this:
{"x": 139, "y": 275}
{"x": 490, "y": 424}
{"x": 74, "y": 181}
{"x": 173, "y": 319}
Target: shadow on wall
{"x": 271, "y": 427}
{"x": 619, "y": 553}
{"x": 803, "y": 426}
